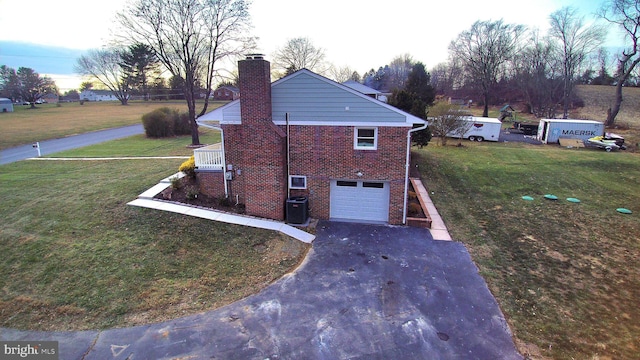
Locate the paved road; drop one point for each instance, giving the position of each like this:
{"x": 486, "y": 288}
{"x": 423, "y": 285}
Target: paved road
{"x": 363, "y": 292}
{"x": 71, "y": 142}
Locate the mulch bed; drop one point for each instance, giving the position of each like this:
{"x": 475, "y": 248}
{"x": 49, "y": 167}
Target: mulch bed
{"x": 187, "y": 191}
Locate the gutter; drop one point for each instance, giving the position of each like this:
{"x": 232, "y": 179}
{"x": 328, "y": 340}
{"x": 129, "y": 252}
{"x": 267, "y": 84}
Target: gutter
{"x": 406, "y": 174}
{"x": 224, "y": 157}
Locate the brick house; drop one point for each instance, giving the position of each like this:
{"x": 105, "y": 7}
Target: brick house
{"x": 346, "y": 152}
{"x": 226, "y": 92}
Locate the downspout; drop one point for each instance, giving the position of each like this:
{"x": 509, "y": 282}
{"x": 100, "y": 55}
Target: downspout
{"x": 406, "y": 174}
{"x": 286, "y": 116}
{"x": 224, "y": 157}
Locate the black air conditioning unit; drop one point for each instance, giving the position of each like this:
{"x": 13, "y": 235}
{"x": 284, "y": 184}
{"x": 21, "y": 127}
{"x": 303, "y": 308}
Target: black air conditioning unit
{"x": 297, "y": 210}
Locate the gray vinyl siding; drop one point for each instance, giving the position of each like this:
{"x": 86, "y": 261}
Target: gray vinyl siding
{"x": 307, "y": 98}
{"x": 232, "y": 112}
{"x": 229, "y": 113}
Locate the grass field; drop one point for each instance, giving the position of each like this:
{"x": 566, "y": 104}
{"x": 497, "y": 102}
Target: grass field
{"x": 139, "y": 145}
{"x": 75, "y": 256}
{"x": 49, "y": 121}
{"x": 599, "y": 98}
{"x": 566, "y": 275}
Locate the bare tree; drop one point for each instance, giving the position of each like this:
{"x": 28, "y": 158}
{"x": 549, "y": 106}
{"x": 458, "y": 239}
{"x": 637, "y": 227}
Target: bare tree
{"x": 538, "y": 75}
{"x": 625, "y": 14}
{"x": 103, "y": 65}
{"x": 483, "y": 50}
{"x": 298, "y": 53}
{"x": 602, "y": 58}
{"x": 447, "y": 76}
{"x": 341, "y": 74}
{"x": 576, "y": 42}
{"x": 190, "y": 38}
{"x": 398, "y": 72}
{"x": 446, "y": 120}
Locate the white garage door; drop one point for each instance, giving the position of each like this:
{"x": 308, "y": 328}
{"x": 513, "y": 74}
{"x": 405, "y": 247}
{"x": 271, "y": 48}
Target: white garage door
{"x": 359, "y": 200}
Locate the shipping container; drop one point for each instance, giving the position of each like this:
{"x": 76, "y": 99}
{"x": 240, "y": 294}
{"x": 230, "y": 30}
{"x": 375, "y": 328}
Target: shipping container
{"x": 550, "y": 131}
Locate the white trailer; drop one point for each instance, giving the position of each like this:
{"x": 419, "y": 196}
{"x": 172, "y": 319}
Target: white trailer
{"x": 480, "y": 129}
{"x": 552, "y": 130}
{"x": 6, "y": 105}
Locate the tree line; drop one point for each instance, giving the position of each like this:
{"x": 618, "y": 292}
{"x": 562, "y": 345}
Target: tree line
{"x": 492, "y": 62}
{"x": 25, "y": 85}
{"x": 132, "y": 72}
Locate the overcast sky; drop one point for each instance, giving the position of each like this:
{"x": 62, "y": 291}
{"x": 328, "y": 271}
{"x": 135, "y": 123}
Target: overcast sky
{"x": 361, "y": 34}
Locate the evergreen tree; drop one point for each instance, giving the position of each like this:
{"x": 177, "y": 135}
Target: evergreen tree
{"x": 138, "y": 63}
{"x": 416, "y": 96}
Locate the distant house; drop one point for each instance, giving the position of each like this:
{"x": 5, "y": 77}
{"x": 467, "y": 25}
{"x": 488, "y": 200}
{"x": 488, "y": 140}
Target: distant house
{"x": 50, "y": 98}
{"x": 226, "y": 92}
{"x": 98, "y": 95}
{"x": 378, "y": 95}
{"x": 6, "y": 105}
{"x": 460, "y": 102}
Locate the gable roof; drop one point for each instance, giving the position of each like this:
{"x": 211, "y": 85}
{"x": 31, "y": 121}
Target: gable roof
{"x": 361, "y": 88}
{"x": 228, "y": 87}
{"x": 311, "y": 99}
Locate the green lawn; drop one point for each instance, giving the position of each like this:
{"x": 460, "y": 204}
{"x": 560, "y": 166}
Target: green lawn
{"x": 140, "y": 145}
{"x": 75, "y": 256}
{"x": 566, "y": 275}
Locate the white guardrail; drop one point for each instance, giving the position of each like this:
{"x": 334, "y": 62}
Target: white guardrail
{"x": 209, "y": 157}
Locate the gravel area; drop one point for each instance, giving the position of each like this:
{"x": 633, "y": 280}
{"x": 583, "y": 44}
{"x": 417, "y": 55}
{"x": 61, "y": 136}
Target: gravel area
{"x": 509, "y": 136}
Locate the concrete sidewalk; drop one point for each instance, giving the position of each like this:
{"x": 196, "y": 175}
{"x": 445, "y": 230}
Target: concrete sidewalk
{"x": 364, "y": 292}
{"x": 147, "y": 200}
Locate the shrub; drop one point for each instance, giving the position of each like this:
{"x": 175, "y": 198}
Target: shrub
{"x": 166, "y": 122}
{"x": 176, "y": 182}
{"x": 189, "y": 167}
{"x": 159, "y": 123}
{"x": 181, "y": 124}
{"x": 192, "y": 192}
{"x": 421, "y": 138}
{"x": 412, "y": 195}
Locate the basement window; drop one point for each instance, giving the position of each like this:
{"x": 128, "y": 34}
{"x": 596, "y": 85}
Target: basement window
{"x": 365, "y": 138}
{"x": 297, "y": 182}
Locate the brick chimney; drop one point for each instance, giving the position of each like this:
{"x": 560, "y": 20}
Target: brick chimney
{"x": 260, "y": 145}
{"x": 254, "y": 81}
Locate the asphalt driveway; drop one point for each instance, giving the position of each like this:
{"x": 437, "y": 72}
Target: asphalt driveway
{"x": 364, "y": 292}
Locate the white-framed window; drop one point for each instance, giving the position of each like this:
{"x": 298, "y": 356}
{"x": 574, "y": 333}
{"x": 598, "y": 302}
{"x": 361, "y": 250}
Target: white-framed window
{"x": 297, "y": 182}
{"x": 365, "y": 138}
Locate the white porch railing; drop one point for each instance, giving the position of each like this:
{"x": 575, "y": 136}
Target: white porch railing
{"x": 209, "y": 157}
